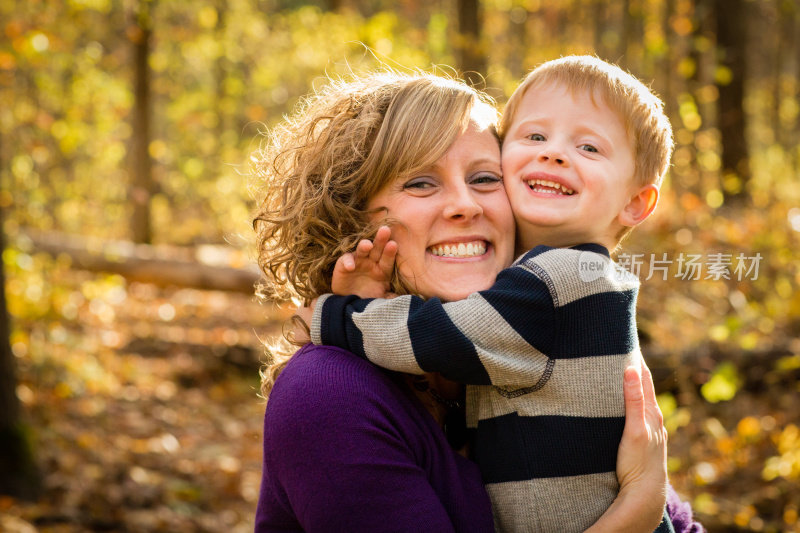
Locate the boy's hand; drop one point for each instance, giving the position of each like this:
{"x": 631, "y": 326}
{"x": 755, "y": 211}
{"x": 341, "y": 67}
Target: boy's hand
{"x": 367, "y": 272}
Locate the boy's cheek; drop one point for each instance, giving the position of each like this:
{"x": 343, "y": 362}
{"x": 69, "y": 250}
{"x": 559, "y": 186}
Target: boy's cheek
{"x": 513, "y": 157}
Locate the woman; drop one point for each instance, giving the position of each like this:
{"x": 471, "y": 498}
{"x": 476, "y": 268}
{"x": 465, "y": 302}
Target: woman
{"x": 347, "y": 446}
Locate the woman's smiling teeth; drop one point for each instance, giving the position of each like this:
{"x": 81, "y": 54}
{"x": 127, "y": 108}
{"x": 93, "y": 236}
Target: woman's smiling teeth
{"x": 550, "y": 187}
{"x": 461, "y": 249}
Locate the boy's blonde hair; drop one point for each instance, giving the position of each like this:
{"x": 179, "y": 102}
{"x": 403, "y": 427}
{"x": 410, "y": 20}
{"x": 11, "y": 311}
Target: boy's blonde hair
{"x": 641, "y": 111}
{"x": 320, "y": 167}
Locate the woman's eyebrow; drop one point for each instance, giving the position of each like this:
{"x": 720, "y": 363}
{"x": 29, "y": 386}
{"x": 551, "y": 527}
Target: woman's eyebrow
{"x": 485, "y": 161}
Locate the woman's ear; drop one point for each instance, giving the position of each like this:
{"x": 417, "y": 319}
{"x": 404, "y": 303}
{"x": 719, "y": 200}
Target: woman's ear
{"x": 639, "y": 206}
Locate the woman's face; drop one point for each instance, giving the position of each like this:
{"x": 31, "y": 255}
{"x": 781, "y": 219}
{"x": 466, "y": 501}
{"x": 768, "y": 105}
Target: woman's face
{"x": 454, "y": 228}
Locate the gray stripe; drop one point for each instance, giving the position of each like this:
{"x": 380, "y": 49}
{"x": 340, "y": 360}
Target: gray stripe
{"x": 562, "y": 504}
{"x": 386, "y": 339}
{"x": 584, "y": 386}
{"x": 506, "y": 356}
{"x": 316, "y": 320}
{"x": 562, "y": 266}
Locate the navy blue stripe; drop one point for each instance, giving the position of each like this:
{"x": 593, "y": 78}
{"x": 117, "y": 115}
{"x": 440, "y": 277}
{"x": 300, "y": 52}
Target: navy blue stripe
{"x": 524, "y": 302}
{"x": 439, "y": 346}
{"x": 516, "y": 448}
{"x": 592, "y": 247}
{"x": 337, "y": 327}
{"x": 599, "y": 324}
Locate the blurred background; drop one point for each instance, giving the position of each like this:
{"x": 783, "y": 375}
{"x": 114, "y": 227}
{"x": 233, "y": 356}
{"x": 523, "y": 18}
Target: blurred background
{"x": 132, "y": 340}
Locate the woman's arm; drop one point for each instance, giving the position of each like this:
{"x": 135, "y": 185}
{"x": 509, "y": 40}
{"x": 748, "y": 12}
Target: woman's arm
{"x": 641, "y": 461}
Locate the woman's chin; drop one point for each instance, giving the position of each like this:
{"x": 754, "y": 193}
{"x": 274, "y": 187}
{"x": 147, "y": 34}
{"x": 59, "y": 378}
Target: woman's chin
{"x": 459, "y": 287}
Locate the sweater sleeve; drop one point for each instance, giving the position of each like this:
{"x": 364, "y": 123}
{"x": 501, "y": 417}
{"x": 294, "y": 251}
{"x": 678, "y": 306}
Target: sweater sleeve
{"x": 336, "y": 460}
{"x": 495, "y": 337}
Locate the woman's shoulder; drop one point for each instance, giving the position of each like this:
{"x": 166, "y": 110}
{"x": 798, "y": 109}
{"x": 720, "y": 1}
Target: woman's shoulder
{"x": 327, "y": 367}
{"x": 321, "y": 378}
{"x": 328, "y": 391}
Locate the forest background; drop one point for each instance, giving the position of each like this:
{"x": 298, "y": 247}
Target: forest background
{"x": 132, "y": 342}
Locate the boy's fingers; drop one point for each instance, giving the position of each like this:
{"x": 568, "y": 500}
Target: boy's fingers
{"x": 386, "y": 262}
{"x": 381, "y": 238}
{"x": 363, "y": 249}
{"x": 347, "y": 262}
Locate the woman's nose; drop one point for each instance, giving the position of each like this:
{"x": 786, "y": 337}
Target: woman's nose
{"x": 462, "y": 205}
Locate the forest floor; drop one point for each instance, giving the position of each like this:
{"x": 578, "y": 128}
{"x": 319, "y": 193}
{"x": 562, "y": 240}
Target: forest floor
{"x": 144, "y": 410}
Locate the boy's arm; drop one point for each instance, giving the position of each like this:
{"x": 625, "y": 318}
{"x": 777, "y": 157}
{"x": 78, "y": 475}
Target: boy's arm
{"x": 496, "y": 337}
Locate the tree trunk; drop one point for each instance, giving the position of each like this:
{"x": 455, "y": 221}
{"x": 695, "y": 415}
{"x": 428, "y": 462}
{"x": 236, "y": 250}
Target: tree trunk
{"x": 517, "y": 35}
{"x": 141, "y": 165}
{"x": 165, "y": 266}
{"x": 731, "y": 50}
{"x": 19, "y": 476}
{"x": 667, "y": 65}
{"x": 626, "y": 35}
{"x": 703, "y": 32}
{"x": 471, "y": 55}
{"x": 221, "y": 73}
{"x": 784, "y": 70}
{"x": 600, "y": 23}
{"x": 794, "y": 132}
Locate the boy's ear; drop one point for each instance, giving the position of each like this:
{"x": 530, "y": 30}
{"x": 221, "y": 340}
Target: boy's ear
{"x": 639, "y": 206}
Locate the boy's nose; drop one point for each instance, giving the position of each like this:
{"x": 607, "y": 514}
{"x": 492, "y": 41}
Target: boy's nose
{"x": 553, "y": 156}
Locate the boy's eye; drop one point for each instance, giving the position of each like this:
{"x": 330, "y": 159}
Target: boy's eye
{"x": 536, "y": 137}
{"x": 588, "y": 148}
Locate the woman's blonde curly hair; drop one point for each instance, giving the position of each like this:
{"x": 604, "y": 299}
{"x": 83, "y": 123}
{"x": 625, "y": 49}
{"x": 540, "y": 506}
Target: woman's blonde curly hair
{"x": 320, "y": 167}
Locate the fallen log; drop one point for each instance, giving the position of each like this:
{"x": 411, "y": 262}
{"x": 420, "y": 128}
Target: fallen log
{"x": 160, "y": 265}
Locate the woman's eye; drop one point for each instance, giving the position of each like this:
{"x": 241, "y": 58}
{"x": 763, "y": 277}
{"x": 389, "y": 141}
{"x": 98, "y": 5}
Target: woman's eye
{"x": 588, "y": 148}
{"x": 536, "y": 137}
{"x": 486, "y": 179}
{"x": 418, "y": 184}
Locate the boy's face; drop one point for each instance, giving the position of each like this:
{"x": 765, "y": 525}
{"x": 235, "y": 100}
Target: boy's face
{"x": 568, "y": 167}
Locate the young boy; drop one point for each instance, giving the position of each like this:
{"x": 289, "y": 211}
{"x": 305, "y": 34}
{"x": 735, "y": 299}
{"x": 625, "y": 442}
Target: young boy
{"x": 585, "y": 147}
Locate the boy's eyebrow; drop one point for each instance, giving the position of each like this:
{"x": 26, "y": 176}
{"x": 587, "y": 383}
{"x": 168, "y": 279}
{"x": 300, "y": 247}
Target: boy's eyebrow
{"x": 592, "y": 131}
{"x": 531, "y": 120}
{"x": 603, "y": 138}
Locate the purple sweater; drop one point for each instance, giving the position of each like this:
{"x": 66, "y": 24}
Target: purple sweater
{"x": 348, "y": 449}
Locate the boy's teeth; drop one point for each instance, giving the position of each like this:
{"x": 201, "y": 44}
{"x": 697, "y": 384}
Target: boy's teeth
{"x": 461, "y": 249}
{"x": 552, "y": 187}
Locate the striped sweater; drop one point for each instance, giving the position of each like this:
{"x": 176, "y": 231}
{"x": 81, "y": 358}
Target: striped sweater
{"x": 543, "y": 352}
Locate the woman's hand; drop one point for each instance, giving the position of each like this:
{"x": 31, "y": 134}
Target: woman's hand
{"x": 368, "y": 271}
{"x": 641, "y": 460}
{"x": 642, "y": 456}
